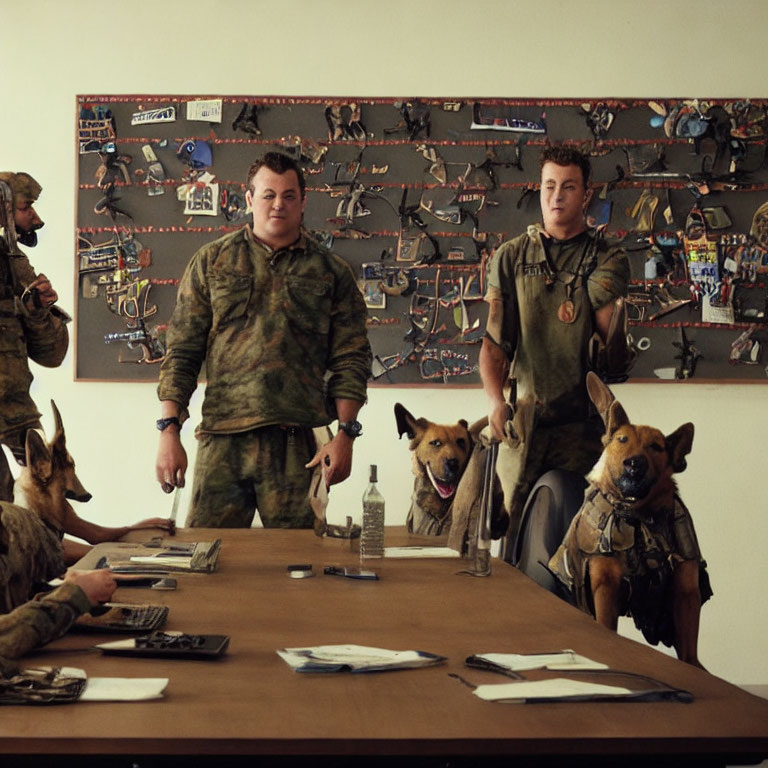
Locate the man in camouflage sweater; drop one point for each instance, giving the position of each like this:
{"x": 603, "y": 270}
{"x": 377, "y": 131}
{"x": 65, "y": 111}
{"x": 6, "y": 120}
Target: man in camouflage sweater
{"x": 49, "y": 615}
{"x": 552, "y": 292}
{"x": 31, "y": 327}
{"x": 280, "y": 323}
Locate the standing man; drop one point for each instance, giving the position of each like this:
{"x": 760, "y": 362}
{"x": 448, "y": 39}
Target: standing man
{"x": 552, "y": 293}
{"x": 280, "y": 323}
{"x": 31, "y": 326}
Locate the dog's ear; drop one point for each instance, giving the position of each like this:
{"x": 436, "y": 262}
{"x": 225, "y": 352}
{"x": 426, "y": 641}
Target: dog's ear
{"x": 679, "y": 445}
{"x": 58, "y": 423}
{"x": 406, "y": 424}
{"x": 600, "y": 395}
{"x": 59, "y": 442}
{"x": 464, "y": 423}
{"x": 615, "y": 418}
{"x": 39, "y": 460}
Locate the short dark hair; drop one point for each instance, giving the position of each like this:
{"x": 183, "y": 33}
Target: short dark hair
{"x": 278, "y": 163}
{"x": 563, "y": 155}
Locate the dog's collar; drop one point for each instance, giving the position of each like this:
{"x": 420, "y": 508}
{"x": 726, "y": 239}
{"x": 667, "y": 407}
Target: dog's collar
{"x": 446, "y": 511}
{"x": 622, "y": 507}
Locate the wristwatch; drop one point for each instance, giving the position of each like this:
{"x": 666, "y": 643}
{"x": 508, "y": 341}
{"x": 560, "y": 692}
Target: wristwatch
{"x": 163, "y": 424}
{"x": 352, "y": 428}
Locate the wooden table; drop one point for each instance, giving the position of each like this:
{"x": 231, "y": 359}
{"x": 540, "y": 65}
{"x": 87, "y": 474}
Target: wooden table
{"x": 251, "y": 703}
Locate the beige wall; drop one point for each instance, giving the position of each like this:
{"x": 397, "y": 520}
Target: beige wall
{"x": 50, "y": 51}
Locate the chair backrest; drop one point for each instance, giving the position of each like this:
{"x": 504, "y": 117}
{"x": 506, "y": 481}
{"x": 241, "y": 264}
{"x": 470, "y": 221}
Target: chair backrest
{"x": 549, "y": 509}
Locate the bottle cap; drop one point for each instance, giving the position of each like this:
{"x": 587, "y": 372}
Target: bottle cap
{"x": 372, "y": 478}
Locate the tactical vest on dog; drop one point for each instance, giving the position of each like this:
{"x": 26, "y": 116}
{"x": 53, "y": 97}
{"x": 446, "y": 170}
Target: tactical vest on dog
{"x": 649, "y": 545}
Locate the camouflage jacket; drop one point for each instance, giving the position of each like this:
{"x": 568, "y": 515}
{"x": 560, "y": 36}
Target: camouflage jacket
{"x": 550, "y": 357}
{"x": 37, "y": 622}
{"x": 282, "y": 334}
{"x": 39, "y": 335}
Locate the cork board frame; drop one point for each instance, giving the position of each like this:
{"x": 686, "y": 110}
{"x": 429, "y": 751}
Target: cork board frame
{"x": 415, "y": 194}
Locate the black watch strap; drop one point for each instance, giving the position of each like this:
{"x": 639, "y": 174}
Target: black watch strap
{"x": 352, "y": 428}
{"x": 163, "y": 424}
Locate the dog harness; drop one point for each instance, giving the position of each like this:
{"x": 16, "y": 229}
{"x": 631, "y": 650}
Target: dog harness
{"x": 649, "y": 545}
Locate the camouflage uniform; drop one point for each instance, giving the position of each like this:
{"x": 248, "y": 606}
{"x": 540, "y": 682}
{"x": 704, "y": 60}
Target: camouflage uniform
{"x": 283, "y": 335}
{"x": 37, "y": 622}
{"x": 30, "y": 554}
{"x": 550, "y": 358}
{"x": 37, "y": 334}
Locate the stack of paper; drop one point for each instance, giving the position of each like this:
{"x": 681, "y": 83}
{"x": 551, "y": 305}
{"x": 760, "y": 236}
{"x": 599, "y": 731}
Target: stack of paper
{"x": 167, "y": 556}
{"x": 355, "y": 658}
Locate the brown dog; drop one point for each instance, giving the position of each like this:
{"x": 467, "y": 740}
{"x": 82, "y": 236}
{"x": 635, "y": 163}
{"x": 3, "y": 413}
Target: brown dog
{"x": 632, "y": 549}
{"x": 30, "y": 545}
{"x": 440, "y": 453}
{"x": 49, "y": 480}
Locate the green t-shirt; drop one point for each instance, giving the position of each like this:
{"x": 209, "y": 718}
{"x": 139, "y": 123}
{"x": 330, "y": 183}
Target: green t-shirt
{"x": 555, "y": 291}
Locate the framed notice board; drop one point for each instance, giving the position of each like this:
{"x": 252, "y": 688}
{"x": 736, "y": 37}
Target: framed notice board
{"x": 415, "y": 194}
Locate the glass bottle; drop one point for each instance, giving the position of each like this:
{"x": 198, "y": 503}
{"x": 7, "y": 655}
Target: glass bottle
{"x": 372, "y": 534}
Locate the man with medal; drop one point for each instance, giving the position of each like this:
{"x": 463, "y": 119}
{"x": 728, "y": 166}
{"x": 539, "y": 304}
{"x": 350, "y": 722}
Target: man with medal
{"x": 552, "y": 295}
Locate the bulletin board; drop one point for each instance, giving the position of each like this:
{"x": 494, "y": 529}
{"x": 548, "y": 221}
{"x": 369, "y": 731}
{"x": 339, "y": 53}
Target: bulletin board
{"x": 415, "y": 194}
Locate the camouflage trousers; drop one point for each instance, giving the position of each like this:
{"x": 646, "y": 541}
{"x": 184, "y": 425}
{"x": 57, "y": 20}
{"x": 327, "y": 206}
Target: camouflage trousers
{"x": 262, "y": 469}
{"x": 575, "y": 447}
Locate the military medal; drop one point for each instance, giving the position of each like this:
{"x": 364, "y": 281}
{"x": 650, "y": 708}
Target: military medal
{"x": 566, "y": 312}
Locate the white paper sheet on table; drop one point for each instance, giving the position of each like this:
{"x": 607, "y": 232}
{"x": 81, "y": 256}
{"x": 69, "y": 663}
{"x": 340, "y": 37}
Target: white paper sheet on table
{"x": 420, "y": 552}
{"x": 519, "y": 662}
{"x": 558, "y": 689}
{"x": 124, "y": 688}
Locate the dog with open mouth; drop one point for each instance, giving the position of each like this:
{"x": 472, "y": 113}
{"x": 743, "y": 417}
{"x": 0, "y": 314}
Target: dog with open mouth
{"x": 439, "y": 454}
{"x": 631, "y": 550}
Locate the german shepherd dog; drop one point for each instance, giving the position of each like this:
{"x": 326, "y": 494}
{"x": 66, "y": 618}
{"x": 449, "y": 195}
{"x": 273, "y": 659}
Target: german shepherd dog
{"x": 631, "y": 549}
{"x": 31, "y": 551}
{"x": 48, "y": 495}
{"x": 31, "y": 528}
{"x": 440, "y": 453}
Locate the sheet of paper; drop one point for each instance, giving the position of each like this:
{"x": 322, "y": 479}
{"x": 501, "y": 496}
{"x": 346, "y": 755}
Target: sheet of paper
{"x": 207, "y": 110}
{"x": 124, "y": 688}
{"x": 420, "y": 552}
{"x": 181, "y": 561}
{"x": 519, "y": 662}
{"x": 353, "y": 657}
{"x": 559, "y": 688}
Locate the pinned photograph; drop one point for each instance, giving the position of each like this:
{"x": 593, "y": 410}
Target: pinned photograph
{"x": 374, "y": 297}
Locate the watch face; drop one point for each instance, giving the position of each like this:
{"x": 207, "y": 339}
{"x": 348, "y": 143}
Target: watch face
{"x": 352, "y": 428}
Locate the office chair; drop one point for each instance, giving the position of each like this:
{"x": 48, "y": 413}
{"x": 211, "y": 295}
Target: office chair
{"x": 549, "y": 509}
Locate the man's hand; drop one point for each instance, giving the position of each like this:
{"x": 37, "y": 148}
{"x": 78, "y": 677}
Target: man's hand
{"x": 163, "y": 523}
{"x": 171, "y": 464}
{"x": 39, "y": 294}
{"x": 336, "y": 458}
{"x": 498, "y": 417}
{"x": 97, "y": 585}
